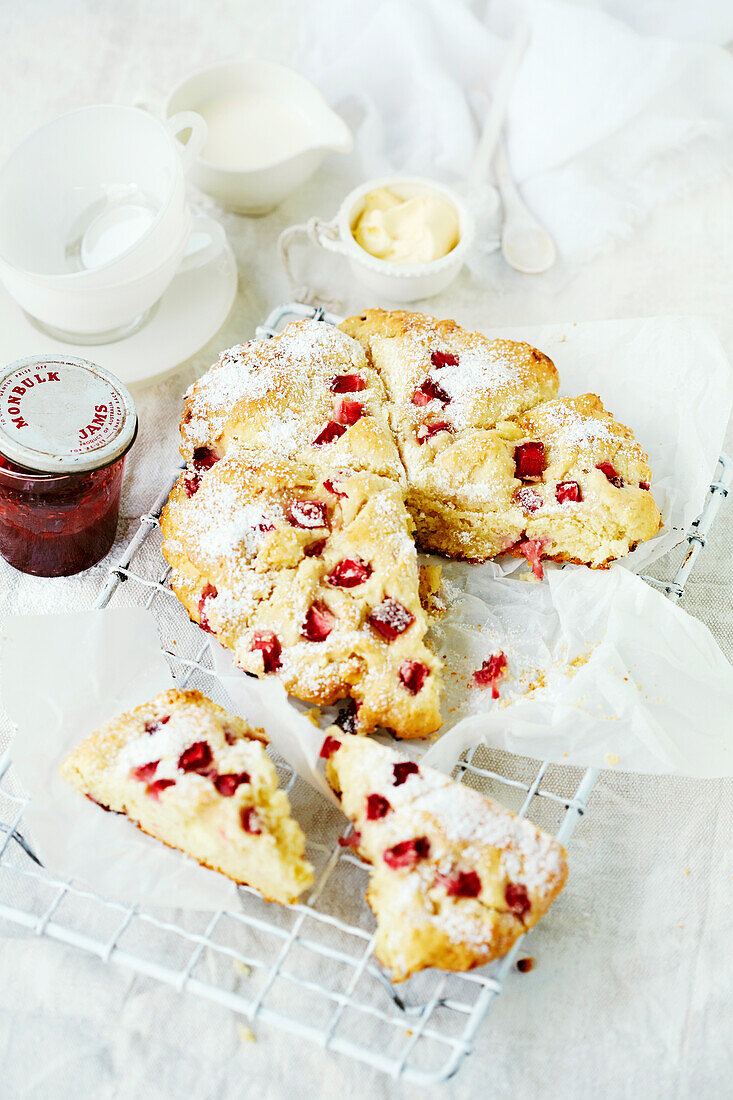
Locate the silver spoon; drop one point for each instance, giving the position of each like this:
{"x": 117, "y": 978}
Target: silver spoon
{"x": 525, "y": 244}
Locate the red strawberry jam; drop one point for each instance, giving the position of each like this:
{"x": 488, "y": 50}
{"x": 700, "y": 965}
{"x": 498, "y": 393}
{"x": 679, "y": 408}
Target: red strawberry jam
{"x": 390, "y": 619}
{"x": 430, "y": 391}
{"x": 145, "y": 772}
{"x": 412, "y": 675}
{"x": 403, "y": 770}
{"x": 567, "y": 490}
{"x": 329, "y": 433}
{"x": 227, "y": 784}
{"x": 460, "y": 884}
{"x": 407, "y": 853}
{"x": 269, "y": 645}
{"x": 610, "y": 472}
{"x": 347, "y": 412}
{"x": 492, "y": 672}
{"x": 209, "y": 593}
{"x": 349, "y": 573}
{"x": 528, "y": 499}
{"x": 250, "y": 820}
{"x": 195, "y": 758}
{"x": 377, "y": 807}
{"x": 347, "y": 383}
{"x": 444, "y": 359}
{"x": 329, "y": 747}
{"x": 319, "y": 622}
{"x": 307, "y": 514}
{"x": 427, "y": 431}
{"x": 529, "y": 459}
{"x": 517, "y": 898}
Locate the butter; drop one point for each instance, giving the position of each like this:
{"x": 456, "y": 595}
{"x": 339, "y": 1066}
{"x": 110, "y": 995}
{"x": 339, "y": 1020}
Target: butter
{"x": 406, "y": 231}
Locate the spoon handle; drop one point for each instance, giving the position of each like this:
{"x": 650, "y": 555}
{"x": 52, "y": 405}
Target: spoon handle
{"x": 494, "y": 121}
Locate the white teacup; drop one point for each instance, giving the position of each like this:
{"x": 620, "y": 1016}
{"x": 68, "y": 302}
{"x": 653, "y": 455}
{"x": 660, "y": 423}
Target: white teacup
{"x": 94, "y": 222}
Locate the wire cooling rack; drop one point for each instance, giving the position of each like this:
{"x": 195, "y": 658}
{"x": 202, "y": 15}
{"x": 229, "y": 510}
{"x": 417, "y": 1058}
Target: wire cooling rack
{"x": 309, "y": 967}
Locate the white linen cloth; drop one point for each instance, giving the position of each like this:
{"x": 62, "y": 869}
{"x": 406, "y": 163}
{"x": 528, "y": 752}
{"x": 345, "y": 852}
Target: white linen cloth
{"x": 630, "y": 993}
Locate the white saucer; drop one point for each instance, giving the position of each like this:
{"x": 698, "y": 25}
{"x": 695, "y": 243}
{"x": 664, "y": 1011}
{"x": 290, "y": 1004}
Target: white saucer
{"x": 192, "y": 310}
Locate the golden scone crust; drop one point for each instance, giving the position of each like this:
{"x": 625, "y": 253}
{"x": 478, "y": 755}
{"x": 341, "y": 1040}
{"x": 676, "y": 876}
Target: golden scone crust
{"x": 197, "y": 778}
{"x": 295, "y": 573}
{"x": 456, "y": 878}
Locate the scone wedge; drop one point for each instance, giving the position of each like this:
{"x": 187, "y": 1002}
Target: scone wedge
{"x": 311, "y": 579}
{"x": 455, "y": 878}
{"x": 198, "y": 779}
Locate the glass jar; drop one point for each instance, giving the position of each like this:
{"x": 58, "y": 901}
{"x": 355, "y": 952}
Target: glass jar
{"x": 66, "y": 426}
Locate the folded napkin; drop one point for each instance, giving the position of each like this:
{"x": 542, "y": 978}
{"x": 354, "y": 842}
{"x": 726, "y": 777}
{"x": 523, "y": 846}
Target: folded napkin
{"x": 603, "y": 124}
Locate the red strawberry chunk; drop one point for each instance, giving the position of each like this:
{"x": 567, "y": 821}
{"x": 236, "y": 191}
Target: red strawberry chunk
{"x": 349, "y": 573}
{"x": 460, "y": 884}
{"x": 403, "y": 771}
{"x": 377, "y": 807}
{"x": 209, "y": 592}
{"x": 353, "y": 840}
{"x": 347, "y": 383}
{"x": 412, "y": 675}
{"x": 390, "y": 619}
{"x": 329, "y": 747}
{"x": 196, "y": 757}
{"x": 307, "y": 514}
{"x": 444, "y": 359}
{"x": 319, "y": 622}
{"x": 315, "y": 549}
{"x": 430, "y": 391}
{"x": 269, "y": 645}
{"x": 610, "y": 472}
{"x": 347, "y": 412}
{"x": 427, "y": 431}
{"x": 529, "y": 459}
{"x": 204, "y": 458}
{"x": 567, "y": 490}
{"x": 644, "y": 485}
{"x": 191, "y": 483}
{"x": 517, "y": 898}
{"x": 531, "y": 549}
{"x": 492, "y": 672}
{"x": 329, "y": 485}
{"x": 227, "y": 784}
{"x": 250, "y": 820}
{"x": 154, "y": 724}
{"x": 154, "y": 789}
{"x": 328, "y": 433}
{"x": 145, "y": 772}
{"x": 407, "y": 853}
{"x": 528, "y": 499}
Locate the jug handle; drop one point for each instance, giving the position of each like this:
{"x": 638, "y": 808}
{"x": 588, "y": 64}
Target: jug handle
{"x": 324, "y": 235}
{"x": 189, "y": 150}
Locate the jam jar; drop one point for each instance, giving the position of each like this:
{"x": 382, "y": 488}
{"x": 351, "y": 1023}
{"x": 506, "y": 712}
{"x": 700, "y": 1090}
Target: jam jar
{"x": 65, "y": 428}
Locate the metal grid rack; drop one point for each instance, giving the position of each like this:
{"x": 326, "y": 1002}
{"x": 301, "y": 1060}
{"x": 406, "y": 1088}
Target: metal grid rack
{"x": 307, "y": 968}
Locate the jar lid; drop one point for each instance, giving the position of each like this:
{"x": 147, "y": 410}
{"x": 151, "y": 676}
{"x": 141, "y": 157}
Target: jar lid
{"x": 59, "y": 415}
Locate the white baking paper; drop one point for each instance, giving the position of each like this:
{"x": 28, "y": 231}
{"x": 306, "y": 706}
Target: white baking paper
{"x": 61, "y": 677}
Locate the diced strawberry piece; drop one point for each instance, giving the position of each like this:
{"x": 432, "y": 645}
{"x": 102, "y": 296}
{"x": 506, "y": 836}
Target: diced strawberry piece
{"x": 154, "y": 789}
{"x": 444, "y": 359}
{"x": 517, "y": 898}
{"x": 145, "y": 772}
{"x": 307, "y": 513}
{"x": 209, "y": 592}
{"x": 347, "y": 717}
{"x": 204, "y": 458}
{"x": 227, "y": 784}
{"x": 229, "y": 736}
{"x": 529, "y": 459}
{"x": 329, "y": 484}
{"x": 412, "y": 675}
{"x": 191, "y": 483}
{"x": 347, "y": 383}
{"x": 531, "y": 549}
{"x": 528, "y": 499}
{"x": 644, "y": 485}
{"x": 328, "y": 433}
{"x": 154, "y": 724}
{"x": 407, "y": 853}
{"x": 250, "y": 820}
{"x": 329, "y": 747}
{"x": 430, "y": 391}
{"x": 427, "y": 431}
{"x": 349, "y": 573}
{"x": 567, "y": 490}
{"x": 196, "y": 757}
{"x": 347, "y": 412}
{"x": 610, "y": 472}
{"x": 353, "y": 840}
{"x": 390, "y": 619}
{"x": 315, "y": 549}
{"x": 269, "y": 645}
{"x": 460, "y": 884}
{"x": 377, "y": 807}
{"x": 319, "y": 622}
{"x": 403, "y": 771}
{"x": 492, "y": 672}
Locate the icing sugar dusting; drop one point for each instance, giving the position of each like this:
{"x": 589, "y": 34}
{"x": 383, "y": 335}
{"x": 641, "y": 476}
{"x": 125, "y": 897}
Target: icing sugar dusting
{"x": 229, "y": 527}
{"x": 574, "y": 429}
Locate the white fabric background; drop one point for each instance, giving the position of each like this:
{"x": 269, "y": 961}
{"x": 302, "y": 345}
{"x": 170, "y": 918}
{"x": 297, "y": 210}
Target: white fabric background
{"x": 630, "y": 995}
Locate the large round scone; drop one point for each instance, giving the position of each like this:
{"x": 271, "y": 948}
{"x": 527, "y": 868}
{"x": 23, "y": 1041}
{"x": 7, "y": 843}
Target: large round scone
{"x": 308, "y": 394}
{"x": 311, "y": 579}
